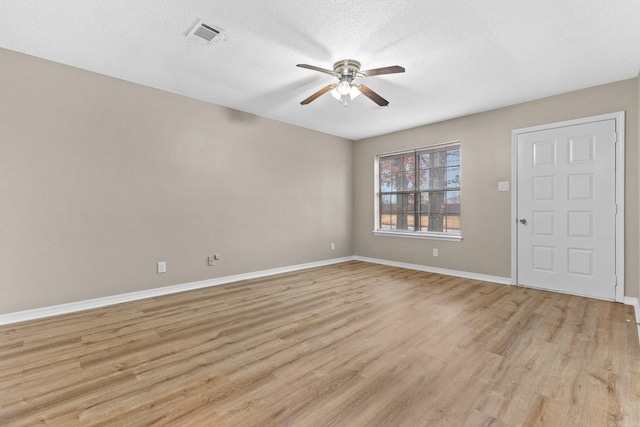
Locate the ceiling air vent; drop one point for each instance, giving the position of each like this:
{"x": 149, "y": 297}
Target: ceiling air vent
{"x": 204, "y": 33}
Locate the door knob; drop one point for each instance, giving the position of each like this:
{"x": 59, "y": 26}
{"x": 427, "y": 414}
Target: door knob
{"x": 522, "y": 221}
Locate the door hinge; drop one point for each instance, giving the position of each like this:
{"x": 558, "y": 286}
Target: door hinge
{"x": 615, "y": 138}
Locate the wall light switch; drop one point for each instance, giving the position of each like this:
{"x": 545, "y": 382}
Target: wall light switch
{"x": 503, "y": 186}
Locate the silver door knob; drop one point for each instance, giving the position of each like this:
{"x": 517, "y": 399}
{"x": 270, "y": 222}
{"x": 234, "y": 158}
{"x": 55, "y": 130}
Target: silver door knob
{"x": 522, "y": 221}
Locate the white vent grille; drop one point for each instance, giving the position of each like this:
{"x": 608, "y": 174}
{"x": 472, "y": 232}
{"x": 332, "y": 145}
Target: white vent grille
{"x": 204, "y": 33}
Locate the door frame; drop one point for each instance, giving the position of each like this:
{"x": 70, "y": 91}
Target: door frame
{"x": 619, "y": 121}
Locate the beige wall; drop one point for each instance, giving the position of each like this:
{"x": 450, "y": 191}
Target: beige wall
{"x": 486, "y": 160}
{"x": 100, "y": 179}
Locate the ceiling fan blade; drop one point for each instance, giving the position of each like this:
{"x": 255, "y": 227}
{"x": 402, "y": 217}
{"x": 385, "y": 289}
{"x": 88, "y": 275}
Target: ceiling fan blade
{"x": 384, "y": 70}
{"x": 314, "y": 68}
{"x": 318, "y": 94}
{"x": 373, "y": 96}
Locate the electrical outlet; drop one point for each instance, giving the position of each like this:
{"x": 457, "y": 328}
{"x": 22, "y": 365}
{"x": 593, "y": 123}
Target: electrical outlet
{"x": 162, "y": 267}
{"x": 435, "y": 252}
{"x": 210, "y": 260}
{"x": 333, "y": 246}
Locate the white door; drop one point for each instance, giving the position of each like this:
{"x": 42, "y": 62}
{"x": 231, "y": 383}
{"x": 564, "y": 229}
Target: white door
{"x": 566, "y": 209}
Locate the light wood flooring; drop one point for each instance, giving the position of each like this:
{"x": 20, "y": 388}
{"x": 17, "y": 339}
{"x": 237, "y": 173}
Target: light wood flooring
{"x": 352, "y": 344}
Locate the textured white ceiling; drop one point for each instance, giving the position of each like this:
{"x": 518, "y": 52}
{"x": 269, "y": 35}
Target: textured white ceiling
{"x": 461, "y": 56}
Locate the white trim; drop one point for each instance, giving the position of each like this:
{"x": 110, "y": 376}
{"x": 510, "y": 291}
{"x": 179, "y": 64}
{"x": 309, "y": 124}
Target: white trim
{"x": 413, "y": 150}
{"x": 619, "y": 118}
{"x": 514, "y": 207}
{"x": 636, "y": 305}
{"x": 620, "y": 193}
{"x": 40, "y": 313}
{"x": 55, "y": 310}
{"x": 425, "y": 268}
{"x": 417, "y": 235}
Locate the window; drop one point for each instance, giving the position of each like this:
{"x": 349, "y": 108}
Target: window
{"x": 419, "y": 192}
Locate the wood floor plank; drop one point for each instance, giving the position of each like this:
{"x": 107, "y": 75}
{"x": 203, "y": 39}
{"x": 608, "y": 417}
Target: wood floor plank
{"x": 351, "y": 344}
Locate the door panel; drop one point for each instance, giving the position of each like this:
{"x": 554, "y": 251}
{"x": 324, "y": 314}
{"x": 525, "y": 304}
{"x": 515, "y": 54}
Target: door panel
{"x": 566, "y": 209}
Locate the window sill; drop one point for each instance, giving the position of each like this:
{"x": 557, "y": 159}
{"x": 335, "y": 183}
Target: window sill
{"x": 414, "y": 235}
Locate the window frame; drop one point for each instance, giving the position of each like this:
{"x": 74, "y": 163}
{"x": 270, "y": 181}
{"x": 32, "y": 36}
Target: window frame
{"x": 433, "y": 235}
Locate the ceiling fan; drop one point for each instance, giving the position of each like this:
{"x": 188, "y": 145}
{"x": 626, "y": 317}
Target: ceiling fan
{"x": 347, "y": 70}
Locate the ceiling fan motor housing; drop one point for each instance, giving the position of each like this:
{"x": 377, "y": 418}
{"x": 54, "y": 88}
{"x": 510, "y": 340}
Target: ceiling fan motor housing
{"x": 347, "y": 69}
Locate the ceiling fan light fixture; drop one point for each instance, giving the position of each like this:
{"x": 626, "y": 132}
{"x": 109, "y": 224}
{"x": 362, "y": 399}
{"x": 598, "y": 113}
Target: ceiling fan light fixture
{"x": 354, "y": 92}
{"x": 344, "y": 88}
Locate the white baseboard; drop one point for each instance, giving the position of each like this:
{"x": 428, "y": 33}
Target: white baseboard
{"x": 463, "y": 274}
{"x": 40, "y": 313}
{"x": 55, "y": 310}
